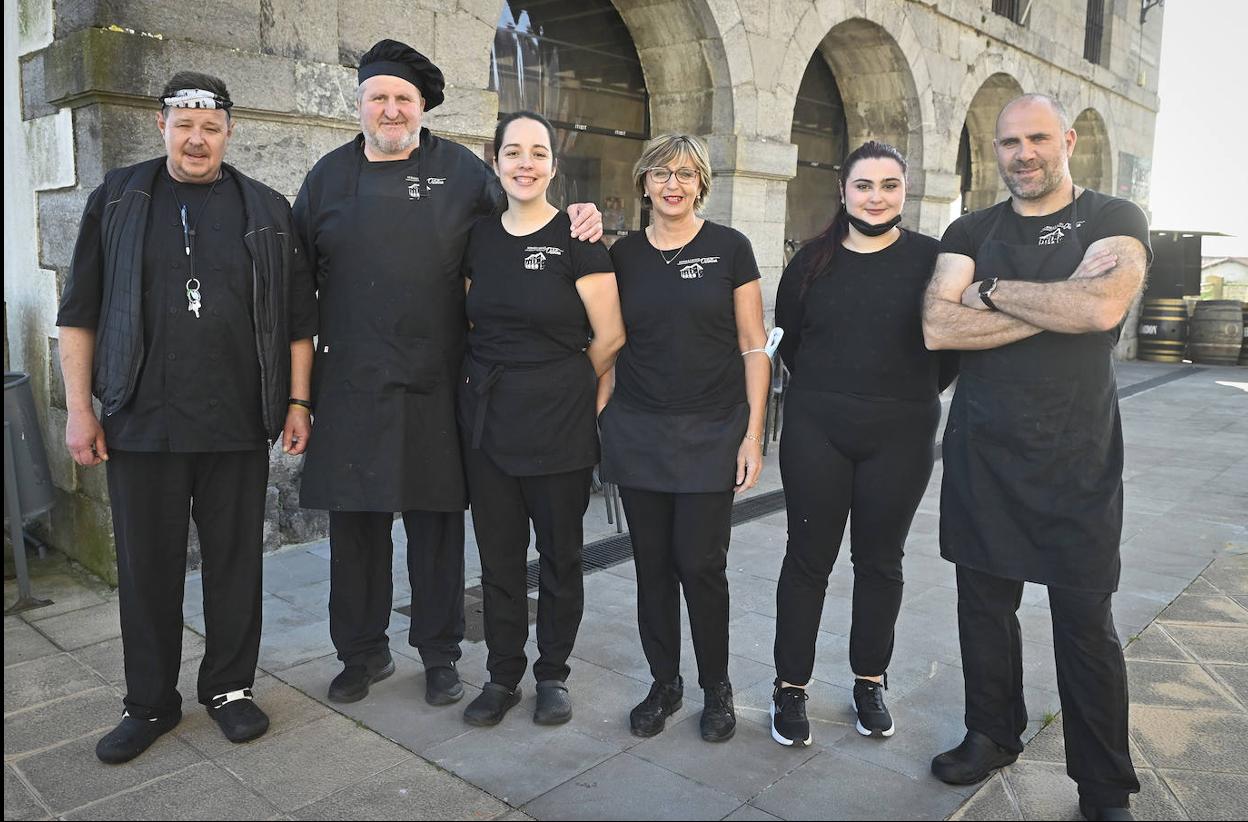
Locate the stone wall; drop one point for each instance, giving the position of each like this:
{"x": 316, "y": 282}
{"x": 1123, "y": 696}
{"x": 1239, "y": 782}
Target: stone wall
{"x": 80, "y": 78}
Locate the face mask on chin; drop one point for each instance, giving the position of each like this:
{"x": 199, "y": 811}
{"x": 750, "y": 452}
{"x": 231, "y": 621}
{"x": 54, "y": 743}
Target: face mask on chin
{"x": 870, "y": 229}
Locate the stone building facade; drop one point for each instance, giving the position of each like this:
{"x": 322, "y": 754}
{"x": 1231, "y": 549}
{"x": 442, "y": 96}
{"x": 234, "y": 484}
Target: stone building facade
{"x": 750, "y": 76}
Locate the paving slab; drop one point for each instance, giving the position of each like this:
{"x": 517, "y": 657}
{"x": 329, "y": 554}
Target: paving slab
{"x": 1044, "y": 791}
{"x": 19, "y": 802}
{"x": 1206, "y": 610}
{"x": 202, "y": 791}
{"x": 69, "y": 776}
{"x": 993, "y": 801}
{"x": 517, "y": 761}
{"x": 1229, "y": 575}
{"x": 1211, "y": 643}
{"x": 41, "y": 680}
{"x": 311, "y": 761}
{"x": 1209, "y": 795}
{"x": 1234, "y": 677}
{"x": 86, "y": 626}
{"x": 286, "y": 706}
{"x": 68, "y": 587}
{"x": 1155, "y": 644}
{"x": 749, "y": 813}
{"x": 34, "y": 729}
{"x": 108, "y": 660}
{"x": 626, "y": 787}
{"x": 23, "y": 643}
{"x": 830, "y": 785}
{"x": 413, "y": 789}
{"x": 1199, "y": 740}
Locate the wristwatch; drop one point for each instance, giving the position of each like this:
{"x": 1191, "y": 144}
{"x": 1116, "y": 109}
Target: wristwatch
{"x": 986, "y": 287}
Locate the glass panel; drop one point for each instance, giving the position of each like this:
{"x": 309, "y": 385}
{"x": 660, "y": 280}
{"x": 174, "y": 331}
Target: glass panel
{"x": 820, "y": 133}
{"x": 573, "y": 61}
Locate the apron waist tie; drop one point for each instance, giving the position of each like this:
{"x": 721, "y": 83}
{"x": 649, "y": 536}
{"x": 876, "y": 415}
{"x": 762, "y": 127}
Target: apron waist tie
{"x": 482, "y": 389}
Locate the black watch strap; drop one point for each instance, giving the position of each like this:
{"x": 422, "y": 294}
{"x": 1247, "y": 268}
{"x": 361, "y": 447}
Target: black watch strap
{"x": 986, "y": 287}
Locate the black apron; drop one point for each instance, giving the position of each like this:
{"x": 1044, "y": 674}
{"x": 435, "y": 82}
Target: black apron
{"x": 532, "y": 420}
{"x": 1033, "y": 447}
{"x": 693, "y": 452}
{"x": 389, "y": 350}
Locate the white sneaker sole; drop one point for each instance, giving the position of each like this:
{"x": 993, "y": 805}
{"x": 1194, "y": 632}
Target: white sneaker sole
{"x": 783, "y": 740}
{"x": 853, "y": 706}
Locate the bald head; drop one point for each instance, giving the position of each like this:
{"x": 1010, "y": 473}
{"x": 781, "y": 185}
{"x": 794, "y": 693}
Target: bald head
{"x": 1041, "y": 100}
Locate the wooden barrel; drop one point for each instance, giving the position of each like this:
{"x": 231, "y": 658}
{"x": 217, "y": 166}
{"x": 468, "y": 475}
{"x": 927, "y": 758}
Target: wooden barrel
{"x": 1163, "y": 330}
{"x": 1216, "y": 332}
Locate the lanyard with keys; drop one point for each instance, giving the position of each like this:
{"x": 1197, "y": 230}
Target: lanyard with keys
{"x": 193, "y": 300}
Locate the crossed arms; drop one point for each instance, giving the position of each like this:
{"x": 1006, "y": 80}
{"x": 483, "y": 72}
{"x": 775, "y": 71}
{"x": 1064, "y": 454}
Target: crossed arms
{"x": 1095, "y": 298}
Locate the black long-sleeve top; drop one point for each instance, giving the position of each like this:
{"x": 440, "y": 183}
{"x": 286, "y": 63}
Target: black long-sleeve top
{"x": 858, "y": 329}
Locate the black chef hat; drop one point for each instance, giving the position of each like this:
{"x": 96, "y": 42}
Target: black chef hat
{"x": 401, "y": 60}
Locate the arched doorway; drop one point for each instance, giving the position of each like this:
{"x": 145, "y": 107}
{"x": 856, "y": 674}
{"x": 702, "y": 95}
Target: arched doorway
{"x": 1090, "y": 165}
{"x": 857, "y": 86}
{"x": 981, "y": 183}
{"x": 574, "y": 62}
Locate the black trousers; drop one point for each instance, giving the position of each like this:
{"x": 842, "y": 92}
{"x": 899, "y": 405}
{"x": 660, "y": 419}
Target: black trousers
{"x": 361, "y": 586}
{"x": 840, "y": 454}
{"x": 1091, "y": 679}
{"x": 681, "y": 541}
{"x": 154, "y": 495}
{"x": 502, "y": 507}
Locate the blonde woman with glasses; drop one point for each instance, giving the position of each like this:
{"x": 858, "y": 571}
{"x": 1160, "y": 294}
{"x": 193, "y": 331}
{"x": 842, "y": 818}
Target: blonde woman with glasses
{"x": 682, "y": 431}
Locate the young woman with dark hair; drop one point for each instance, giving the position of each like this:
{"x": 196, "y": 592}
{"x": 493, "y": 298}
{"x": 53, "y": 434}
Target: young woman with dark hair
{"x": 860, "y": 419}
{"x": 545, "y": 323}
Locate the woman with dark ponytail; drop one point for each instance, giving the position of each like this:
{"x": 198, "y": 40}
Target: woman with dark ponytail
{"x": 860, "y": 420}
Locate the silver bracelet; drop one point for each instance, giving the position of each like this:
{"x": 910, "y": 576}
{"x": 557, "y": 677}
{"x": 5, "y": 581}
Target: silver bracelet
{"x": 754, "y": 351}
{"x": 758, "y": 440}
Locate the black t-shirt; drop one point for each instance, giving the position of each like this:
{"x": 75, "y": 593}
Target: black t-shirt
{"x": 859, "y": 328}
{"x": 1099, "y": 216}
{"x": 523, "y": 304}
{"x": 681, "y": 352}
{"x": 199, "y": 385}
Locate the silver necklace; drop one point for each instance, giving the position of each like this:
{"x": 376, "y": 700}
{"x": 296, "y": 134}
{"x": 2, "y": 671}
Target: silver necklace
{"x": 669, "y": 260}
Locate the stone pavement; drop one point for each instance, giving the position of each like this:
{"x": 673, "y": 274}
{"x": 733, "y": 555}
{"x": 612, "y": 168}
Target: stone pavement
{"x": 393, "y": 756}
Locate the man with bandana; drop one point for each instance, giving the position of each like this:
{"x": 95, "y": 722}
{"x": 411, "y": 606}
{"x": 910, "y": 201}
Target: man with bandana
{"x": 188, "y": 312}
{"x": 385, "y": 219}
{"x": 1033, "y": 292}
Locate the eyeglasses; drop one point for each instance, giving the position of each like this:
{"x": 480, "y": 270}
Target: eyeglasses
{"x": 661, "y": 174}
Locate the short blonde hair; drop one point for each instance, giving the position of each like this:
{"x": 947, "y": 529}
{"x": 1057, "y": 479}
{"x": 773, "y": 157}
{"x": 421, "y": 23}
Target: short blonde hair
{"x": 668, "y": 147}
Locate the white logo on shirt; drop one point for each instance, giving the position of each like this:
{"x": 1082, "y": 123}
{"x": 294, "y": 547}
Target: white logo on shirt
{"x": 535, "y": 256}
{"x": 436, "y": 181}
{"x": 691, "y": 272}
{"x": 535, "y": 262}
{"x": 1053, "y": 234}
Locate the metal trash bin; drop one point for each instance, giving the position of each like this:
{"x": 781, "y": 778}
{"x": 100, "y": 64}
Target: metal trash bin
{"x": 27, "y": 478}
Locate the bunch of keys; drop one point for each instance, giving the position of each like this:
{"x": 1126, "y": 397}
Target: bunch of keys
{"x": 192, "y": 296}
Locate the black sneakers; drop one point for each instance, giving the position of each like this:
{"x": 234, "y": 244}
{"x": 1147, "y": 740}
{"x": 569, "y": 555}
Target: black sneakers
{"x": 971, "y": 761}
{"x": 133, "y": 736}
{"x": 719, "y": 719}
{"x": 868, "y": 703}
{"x": 352, "y": 684}
{"x": 1094, "y": 813}
{"x": 650, "y": 715}
{"x": 442, "y": 685}
{"x": 554, "y": 706}
{"x": 491, "y": 705}
{"x": 238, "y": 716}
{"x": 789, "y": 725}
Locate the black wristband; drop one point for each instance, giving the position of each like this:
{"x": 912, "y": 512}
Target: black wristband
{"x": 303, "y": 403}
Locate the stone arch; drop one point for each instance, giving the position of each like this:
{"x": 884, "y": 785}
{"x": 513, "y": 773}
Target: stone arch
{"x": 1091, "y": 164}
{"x": 986, "y": 186}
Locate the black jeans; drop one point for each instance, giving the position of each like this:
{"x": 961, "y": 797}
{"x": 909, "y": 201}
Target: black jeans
{"x": 502, "y": 507}
{"x": 681, "y": 541}
{"x": 840, "y": 454}
{"x": 1091, "y": 679}
{"x": 153, "y": 497}
{"x": 361, "y": 585}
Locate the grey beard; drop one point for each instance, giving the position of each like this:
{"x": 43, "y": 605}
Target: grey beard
{"x": 386, "y": 146}
{"x": 1052, "y": 179}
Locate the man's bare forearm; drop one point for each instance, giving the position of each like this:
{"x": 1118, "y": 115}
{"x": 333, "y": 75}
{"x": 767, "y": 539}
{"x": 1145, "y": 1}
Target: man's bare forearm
{"x": 1065, "y": 306}
{"x": 77, "y": 347}
{"x": 950, "y": 325}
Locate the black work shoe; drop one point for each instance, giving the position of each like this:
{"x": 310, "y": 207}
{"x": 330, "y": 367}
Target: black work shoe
{"x": 719, "y": 720}
{"x": 491, "y": 705}
{"x": 1093, "y": 813}
{"x": 133, "y": 736}
{"x": 352, "y": 684}
{"x": 972, "y": 761}
{"x": 554, "y": 706}
{"x": 868, "y": 704}
{"x": 649, "y": 716}
{"x": 789, "y": 725}
{"x": 442, "y": 685}
{"x": 238, "y": 716}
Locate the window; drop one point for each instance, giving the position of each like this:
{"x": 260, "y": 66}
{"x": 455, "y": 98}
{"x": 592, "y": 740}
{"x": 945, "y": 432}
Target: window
{"x": 1094, "y": 32}
{"x": 573, "y": 62}
{"x": 1012, "y": 9}
{"x": 821, "y": 136}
